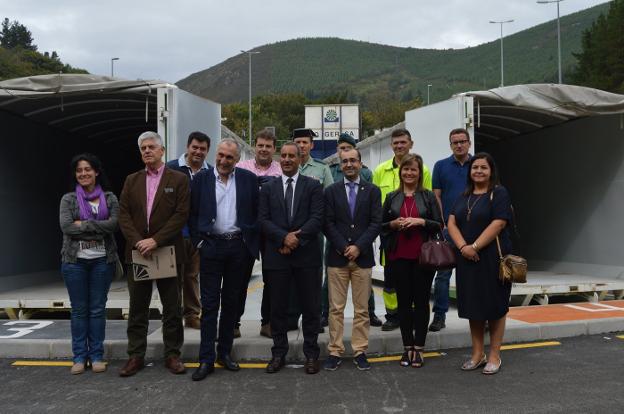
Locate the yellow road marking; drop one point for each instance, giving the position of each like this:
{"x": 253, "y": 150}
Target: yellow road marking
{"x": 242, "y": 365}
{"x": 262, "y": 365}
{"x": 398, "y": 357}
{"x": 42, "y": 364}
{"x": 530, "y": 345}
{"x": 254, "y": 287}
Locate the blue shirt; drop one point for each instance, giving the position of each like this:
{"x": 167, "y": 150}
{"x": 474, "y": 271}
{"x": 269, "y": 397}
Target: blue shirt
{"x": 450, "y": 177}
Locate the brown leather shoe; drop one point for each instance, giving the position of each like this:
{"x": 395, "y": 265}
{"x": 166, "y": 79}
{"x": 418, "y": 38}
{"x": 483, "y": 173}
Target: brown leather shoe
{"x": 133, "y": 365}
{"x": 275, "y": 364}
{"x": 175, "y": 365}
{"x": 312, "y": 366}
{"x": 194, "y": 323}
{"x": 265, "y": 330}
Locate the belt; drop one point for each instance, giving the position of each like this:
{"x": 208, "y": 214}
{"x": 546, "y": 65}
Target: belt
{"x": 227, "y": 236}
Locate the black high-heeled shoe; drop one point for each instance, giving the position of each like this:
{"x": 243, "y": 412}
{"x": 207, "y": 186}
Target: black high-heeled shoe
{"x": 418, "y": 360}
{"x": 406, "y": 358}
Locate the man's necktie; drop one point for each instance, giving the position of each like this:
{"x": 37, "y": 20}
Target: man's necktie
{"x": 352, "y": 196}
{"x": 288, "y": 199}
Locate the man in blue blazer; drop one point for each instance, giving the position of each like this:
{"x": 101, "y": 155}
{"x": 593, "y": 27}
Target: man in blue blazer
{"x": 352, "y": 222}
{"x": 224, "y": 228}
{"x": 291, "y": 216}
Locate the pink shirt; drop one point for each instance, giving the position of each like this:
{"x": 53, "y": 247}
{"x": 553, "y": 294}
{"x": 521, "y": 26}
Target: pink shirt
{"x": 152, "y": 180}
{"x": 274, "y": 169}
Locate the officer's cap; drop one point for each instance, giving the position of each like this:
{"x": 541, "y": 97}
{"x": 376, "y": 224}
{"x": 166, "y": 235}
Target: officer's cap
{"x": 344, "y": 137}
{"x": 303, "y": 132}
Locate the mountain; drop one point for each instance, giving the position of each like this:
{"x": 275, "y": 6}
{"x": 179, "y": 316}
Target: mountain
{"x": 320, "y": 66}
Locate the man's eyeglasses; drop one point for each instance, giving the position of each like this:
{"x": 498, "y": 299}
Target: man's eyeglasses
{"x": 346, "y": 161}
{"x": 462, "y": 142}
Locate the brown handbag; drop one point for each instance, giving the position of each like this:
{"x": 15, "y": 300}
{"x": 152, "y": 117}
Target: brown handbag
{"x": 437, "y": 254}
{"x": 512, "y": 268}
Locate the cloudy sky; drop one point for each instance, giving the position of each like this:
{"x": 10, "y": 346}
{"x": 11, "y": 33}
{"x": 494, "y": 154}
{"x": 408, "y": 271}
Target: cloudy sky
{"x": 169, "y": 40}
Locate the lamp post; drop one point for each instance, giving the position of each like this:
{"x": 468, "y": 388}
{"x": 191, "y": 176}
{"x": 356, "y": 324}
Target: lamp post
{"x": 113, "y": 66}
{"x": 502, "y": 22}
{"x": 249, "y": 53}
{"x": 428, "y": 87}
{"x": 558, "y": 33}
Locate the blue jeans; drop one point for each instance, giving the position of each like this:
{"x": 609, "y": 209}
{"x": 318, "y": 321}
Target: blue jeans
{"x": 88, "y": 282}
{"x": 441, "y": 294}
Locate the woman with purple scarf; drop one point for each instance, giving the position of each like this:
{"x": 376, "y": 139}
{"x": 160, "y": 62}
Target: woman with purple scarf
{"x": 88, "y": 218}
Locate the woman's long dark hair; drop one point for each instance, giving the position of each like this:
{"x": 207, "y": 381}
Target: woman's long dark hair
{"x": 95, "y": 163}
{"x": 494, "y": 180}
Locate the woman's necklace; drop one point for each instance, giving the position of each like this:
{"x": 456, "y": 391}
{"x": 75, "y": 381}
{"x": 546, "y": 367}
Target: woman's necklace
{"x": 404, "y": 207}
{"x": 469, "y": 207}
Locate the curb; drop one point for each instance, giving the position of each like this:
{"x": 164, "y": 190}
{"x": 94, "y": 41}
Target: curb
{"x": 252, "y": 347}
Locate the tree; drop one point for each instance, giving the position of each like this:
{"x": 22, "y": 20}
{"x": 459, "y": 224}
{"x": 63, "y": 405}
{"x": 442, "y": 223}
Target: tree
{"x": 14, "y": 34}
{"x": 601, "y": 60}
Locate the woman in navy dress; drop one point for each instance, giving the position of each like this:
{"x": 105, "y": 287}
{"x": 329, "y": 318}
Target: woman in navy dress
{"x": 478, "y": 216}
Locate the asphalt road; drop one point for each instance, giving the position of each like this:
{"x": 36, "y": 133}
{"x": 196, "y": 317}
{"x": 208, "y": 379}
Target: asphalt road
{"x": 582, "y": 375}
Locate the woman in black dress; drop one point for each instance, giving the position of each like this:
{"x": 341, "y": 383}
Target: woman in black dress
{"x": 478, "y": 216}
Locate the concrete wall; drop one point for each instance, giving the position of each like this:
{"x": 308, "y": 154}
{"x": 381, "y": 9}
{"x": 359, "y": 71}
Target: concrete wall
{"x": 375, "y": 149}
{"x": 567, "y": 186}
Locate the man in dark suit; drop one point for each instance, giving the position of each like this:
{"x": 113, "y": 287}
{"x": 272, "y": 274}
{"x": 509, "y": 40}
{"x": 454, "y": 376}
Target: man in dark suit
{"x": 291, "y": 215}
{"x": 154, "y": 207}
{"x": 352, "y": 222}
{"x": 224, "y": 227}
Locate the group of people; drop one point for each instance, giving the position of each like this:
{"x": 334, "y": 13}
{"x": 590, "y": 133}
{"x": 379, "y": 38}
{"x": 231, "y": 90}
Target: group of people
{"x": 303, "y": 219}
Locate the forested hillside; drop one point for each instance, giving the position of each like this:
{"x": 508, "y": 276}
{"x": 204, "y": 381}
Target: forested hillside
{"x": 321, "y": 66}
{"x": 19, "y": 56}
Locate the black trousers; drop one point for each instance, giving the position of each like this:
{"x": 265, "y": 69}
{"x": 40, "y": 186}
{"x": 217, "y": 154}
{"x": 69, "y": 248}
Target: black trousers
{"x": 220, "y": 280}
{"x": 248, "y": 269}
{"x": 413, "y": 289}
{"x": 307, "y": 282}
{"x": 265, "y": 306}
{"x": 138, "y": 318}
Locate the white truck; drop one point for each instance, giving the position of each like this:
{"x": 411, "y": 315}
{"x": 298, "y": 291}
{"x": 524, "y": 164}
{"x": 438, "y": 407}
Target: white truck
{"x": 48, "y": 119}
{"x": 560, "y": 152}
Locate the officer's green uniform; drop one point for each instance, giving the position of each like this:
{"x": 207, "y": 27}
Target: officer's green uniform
{"x": 386, "y": 177}
{"x": 336, "y": 172}
{"x": 318, "y": 170}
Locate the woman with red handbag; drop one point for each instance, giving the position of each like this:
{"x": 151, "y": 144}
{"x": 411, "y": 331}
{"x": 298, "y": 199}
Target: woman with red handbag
{"x": 477, "y": 218}
{"x": 411, "y": 215}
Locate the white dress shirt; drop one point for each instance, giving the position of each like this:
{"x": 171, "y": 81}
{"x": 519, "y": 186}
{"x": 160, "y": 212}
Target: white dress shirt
{"x": 225, "y": 194}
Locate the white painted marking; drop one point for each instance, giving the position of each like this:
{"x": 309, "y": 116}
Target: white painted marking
{"x": 592, "y": 307}
{"x": 19, "y": 332}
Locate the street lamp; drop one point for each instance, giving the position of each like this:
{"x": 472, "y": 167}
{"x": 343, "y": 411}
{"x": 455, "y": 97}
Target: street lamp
{"x": 558, "y": 33}
{"x": 502, "y": 22}
{"x": 428, "y": 87}
{"x": 249, "y": 53}
{"x": 112, "y": 66}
